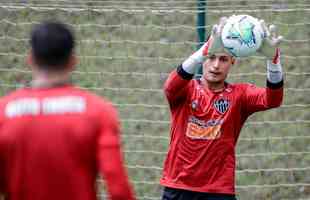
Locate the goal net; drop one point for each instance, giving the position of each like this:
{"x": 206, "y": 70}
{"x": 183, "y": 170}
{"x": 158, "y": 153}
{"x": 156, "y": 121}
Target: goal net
{"x": 126, "y": 50}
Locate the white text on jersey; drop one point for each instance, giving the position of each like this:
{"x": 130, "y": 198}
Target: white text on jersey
{"x": 46, "y": 106}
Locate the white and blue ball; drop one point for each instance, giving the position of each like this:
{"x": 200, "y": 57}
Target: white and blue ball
{"x": 242, "y": 35}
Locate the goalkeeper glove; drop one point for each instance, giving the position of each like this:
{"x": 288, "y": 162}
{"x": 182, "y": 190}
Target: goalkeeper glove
{"x": 212, "y": 46}
{"x": 271, "y": 42}
{"x": 270, "y": 49}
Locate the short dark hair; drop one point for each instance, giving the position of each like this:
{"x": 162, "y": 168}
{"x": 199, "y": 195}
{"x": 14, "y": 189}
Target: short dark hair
{"x": 52, "y": 45}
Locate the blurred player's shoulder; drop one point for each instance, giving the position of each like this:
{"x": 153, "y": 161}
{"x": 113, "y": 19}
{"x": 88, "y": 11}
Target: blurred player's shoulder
{"x": 55, "y": 100}
{"x": 95, "y": 105}
{"x": 93, "y": 98}
{"x": 13, "y": 94}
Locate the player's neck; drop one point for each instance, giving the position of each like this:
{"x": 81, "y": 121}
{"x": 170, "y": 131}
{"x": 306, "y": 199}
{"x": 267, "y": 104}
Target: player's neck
{"x": 46, "y": 79}
{"x": 214, "y": 86}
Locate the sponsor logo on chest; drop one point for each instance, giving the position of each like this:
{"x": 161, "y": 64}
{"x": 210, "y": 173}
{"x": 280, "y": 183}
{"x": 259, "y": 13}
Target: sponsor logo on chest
{"x": 203, "y": 129}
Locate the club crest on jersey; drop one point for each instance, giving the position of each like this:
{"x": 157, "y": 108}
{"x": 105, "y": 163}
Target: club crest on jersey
{"x": 221, "y": 105}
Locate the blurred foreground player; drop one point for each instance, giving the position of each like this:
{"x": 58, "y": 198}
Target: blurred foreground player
{"x": 207, "y": 116}
{"x": 54, "y": 137}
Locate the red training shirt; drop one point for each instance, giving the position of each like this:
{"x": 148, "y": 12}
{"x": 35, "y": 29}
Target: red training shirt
{"x": 205, "y": 126}
{"x": 54, "y": 141}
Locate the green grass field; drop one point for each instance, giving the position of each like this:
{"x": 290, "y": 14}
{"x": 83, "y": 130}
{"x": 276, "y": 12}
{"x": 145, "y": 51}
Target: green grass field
{"x": 126, "y": 49}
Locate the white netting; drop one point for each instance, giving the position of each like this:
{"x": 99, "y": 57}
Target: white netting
{"x": 127, "y": 49}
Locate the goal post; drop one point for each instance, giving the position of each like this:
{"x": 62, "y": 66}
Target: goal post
{"x": 201, "y": 31}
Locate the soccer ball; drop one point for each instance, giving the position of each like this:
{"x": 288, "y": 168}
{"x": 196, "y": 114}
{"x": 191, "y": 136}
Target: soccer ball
{"x": 242, "y": 35}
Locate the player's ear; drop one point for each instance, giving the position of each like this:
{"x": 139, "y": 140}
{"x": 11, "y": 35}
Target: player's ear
{"x": 30, "y": 60}
{"x": 73, "y": 60}
{"x": 233, "y": 60}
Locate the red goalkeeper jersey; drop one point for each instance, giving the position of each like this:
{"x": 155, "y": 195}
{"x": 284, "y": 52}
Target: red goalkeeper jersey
{"x": 53, "y": 143}
{"x": 205, "y": 127}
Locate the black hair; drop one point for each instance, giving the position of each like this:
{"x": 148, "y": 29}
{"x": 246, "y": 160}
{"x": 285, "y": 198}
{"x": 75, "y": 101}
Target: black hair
{"x": 52, "y": 45}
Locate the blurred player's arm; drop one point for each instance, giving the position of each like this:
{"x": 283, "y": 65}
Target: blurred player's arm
{"x": 177, "y": 84}
{"x": 110, "y": 158}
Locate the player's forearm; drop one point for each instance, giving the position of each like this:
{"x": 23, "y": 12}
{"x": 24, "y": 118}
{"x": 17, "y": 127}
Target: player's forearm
{"x": 275, "y": 72}
{"x": 110, "y": 158}
{"x": 191, "y": 64}
{"x": 115, "y": 175}
{"x": 175, "y": 86}
{"x": 274, "y": 81}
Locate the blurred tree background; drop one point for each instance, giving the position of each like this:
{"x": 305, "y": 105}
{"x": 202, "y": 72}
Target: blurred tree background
{"x": 127, "y": 49}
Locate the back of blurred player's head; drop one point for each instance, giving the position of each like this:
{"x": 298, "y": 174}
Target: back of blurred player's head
{"x": 52, "y": 45}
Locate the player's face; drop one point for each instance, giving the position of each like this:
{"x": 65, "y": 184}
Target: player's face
{"x": 216, "y": 68}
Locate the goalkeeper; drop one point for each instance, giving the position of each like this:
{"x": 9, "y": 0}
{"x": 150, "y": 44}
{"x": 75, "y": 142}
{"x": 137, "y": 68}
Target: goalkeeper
{"x": 55, "y": 137}
{"x": 207, "y": 117}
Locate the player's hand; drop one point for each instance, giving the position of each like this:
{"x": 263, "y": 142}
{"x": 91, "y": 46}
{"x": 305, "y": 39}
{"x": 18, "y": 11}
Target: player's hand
{"x": 214, "y": 43}
{"x": 271, "y": 42}
{"x": 212, "y": 46}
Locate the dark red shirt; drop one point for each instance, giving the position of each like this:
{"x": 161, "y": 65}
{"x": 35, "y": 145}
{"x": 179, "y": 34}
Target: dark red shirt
{"x": 53, "y": 143}
{"x": 205, "y": 127}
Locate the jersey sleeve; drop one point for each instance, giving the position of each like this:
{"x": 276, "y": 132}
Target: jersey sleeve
{"x": 259, "y": 99}
{"x": 178, "y": 86}
{"x": 110, "y": 159}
